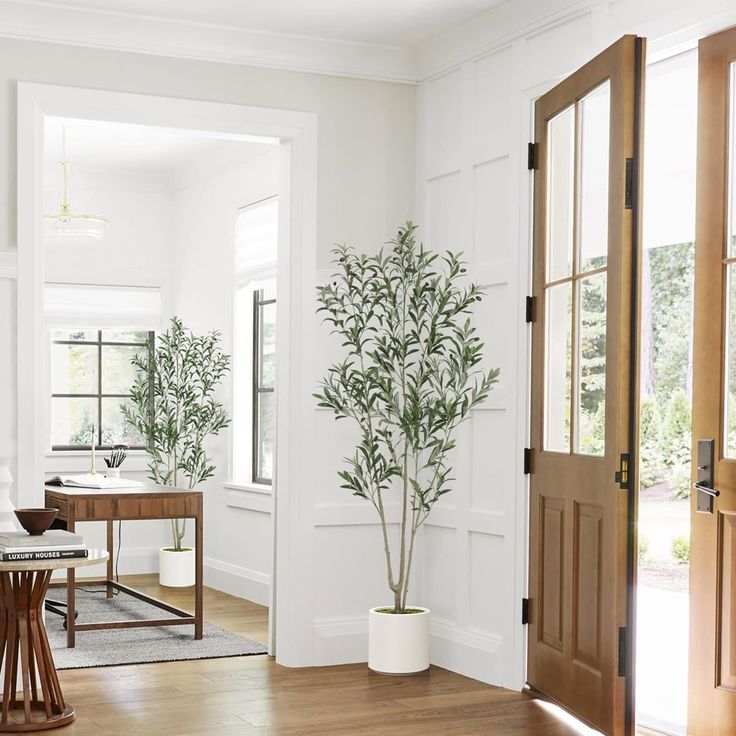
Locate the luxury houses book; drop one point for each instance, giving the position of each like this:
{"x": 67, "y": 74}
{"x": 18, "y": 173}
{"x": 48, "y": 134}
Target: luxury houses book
{"x": 89, "y": 480}
{"x": 50, "y": 538}
{"x": 44, "y": 554}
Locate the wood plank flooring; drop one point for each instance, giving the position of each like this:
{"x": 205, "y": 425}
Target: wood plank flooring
{"x": 253, "y": 696}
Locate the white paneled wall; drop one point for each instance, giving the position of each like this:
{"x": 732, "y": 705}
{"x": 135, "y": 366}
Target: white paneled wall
{"x": 466, "y": 195}
{"x": 474, "y": 194}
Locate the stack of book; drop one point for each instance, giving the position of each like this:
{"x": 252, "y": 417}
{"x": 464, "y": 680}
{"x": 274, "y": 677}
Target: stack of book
{"x": 55, "y": 544}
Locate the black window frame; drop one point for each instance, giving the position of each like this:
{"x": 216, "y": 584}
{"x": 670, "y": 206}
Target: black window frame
{"x": 259, "y": 302}
{"x": 99, "y": 395}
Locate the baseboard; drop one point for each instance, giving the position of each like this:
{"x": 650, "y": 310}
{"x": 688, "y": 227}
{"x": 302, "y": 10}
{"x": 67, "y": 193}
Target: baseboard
{"x": 470, "y": 653}
{"x": 238, "y": 581}
{"x": 341, "y": 641}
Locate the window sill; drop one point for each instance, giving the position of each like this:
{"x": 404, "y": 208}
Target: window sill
{"x": 231, "y": 485}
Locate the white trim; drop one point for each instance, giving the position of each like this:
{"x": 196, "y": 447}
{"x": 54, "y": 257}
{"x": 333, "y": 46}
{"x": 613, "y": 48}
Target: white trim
{"x": 239, "y": 499}
{"x": 238, "y": 581}
{"x": 8, "y": 264}
{"x": 117, "y": 31}
{"x": 292, "y": 592}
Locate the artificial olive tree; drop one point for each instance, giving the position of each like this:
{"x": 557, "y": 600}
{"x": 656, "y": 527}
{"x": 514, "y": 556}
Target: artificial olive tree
{"x": 172, "y": 405}
{"x": 410, "y": 376}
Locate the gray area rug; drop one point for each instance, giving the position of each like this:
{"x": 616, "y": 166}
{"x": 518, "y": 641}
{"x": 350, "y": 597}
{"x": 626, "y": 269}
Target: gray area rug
{"x": 139, "y": 645}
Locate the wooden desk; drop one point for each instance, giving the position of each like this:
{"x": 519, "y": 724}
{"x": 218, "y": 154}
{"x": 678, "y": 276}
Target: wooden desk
{"x": 129, "y": 504}
{"x": 24, "y": 646}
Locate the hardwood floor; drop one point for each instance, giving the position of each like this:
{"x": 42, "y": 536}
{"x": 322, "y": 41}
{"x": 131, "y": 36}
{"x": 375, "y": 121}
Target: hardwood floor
{"x": 255, "y": 697}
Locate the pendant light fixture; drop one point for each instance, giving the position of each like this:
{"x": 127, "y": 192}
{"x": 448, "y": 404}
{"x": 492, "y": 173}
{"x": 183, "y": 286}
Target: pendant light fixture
{"x": 66, "y": 224}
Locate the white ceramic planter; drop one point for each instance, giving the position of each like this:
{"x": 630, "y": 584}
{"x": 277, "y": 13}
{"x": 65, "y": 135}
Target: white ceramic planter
{"x": 398, "y": 644}
{"x": 176, "y": 569}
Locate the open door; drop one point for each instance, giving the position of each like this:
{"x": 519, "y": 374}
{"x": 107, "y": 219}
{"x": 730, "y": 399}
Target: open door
{"x": 584, "y": 388}
{"x": 712, "y": 701}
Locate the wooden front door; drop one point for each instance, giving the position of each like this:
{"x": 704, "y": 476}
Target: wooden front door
{"x": 712, "y": 701}
{"x": 583, "y": 423}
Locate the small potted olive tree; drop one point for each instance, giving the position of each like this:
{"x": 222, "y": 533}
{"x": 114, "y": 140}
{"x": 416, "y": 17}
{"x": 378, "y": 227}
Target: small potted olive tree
{"x": 410, "y": 376}
{"x": 172, "y": 405}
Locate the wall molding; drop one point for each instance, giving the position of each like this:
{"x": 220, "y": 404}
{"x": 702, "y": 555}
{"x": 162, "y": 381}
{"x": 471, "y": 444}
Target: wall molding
{"x": 8, "y": 264}
{"x": 102, "y": 29}
{"x": 239, "y": 581}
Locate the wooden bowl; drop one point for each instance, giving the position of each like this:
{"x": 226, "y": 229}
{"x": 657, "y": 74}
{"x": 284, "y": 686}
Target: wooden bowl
{"x": 36, "y": 521}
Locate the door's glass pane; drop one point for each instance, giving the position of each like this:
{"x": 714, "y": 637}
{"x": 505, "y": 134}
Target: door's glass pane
{"x": 118, "y": 373}
{"x": 731, "y": 246}
{"x": 558, "y": 367}
{"x": 266, "y": 421}
{"x": 595, "y": 111}
{"x": 591, "y": 366}
{"x": 560, "y": 193}
{"x": 72, "y": 421}
{"x": 115, "y": 430}
{"x": 730, "y": 402}
{"x": 268, "y": 345}
{"x": 73, "y": 369}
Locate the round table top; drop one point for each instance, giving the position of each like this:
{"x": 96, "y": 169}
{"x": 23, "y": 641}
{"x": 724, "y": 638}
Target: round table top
{"x": 96, "y": 556}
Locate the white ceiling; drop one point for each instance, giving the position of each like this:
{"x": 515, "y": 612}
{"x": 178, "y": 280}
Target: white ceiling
{"x": 401, "y": 23}
{"x": 122, "y": 147}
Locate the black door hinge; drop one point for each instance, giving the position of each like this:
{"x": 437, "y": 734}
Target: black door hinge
{"x": 531, "y": 157}
{"x": 629, "y": 191}
{"x": 622, "y": 649}
{"x": 622, "y": 474}
{"x": 530, "y": 311}
{"x": 524, "y": 611}
{"x": 527, "y": 460}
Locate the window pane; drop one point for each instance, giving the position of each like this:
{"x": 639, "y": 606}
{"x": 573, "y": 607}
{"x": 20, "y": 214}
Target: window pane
{"x": 268, "y": 345}
{"x": 595, "y": 111}
{"x": 118, "y": 372}
{"x": 73, "y": 369}
{"x": 266, "y": 407}
{"x": 115, "y": 429}
{"x": 138, "y": 336}
{"x": 730, "y": 413}
{"x": 591, "y": 366}
{"x": 558, "y": 359}
{"x": 560, "y": 193}
{"x": 731, "y": 246}
{"x": 76, "y": 335}
{"x": 72, "y": 421}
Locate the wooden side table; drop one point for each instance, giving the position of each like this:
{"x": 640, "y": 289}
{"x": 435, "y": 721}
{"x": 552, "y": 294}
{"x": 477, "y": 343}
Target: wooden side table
{"x": 24, "y": 646}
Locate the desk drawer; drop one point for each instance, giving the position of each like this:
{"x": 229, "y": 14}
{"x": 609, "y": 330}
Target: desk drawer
{"x": 55, "y": 502}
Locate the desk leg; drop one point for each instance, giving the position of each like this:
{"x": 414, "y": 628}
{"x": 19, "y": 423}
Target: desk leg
{"x": 71, "y": 602}
{"x": 71, "y": 594}
{"x": 199, "y": 573}
{"x": 110, "y": 551}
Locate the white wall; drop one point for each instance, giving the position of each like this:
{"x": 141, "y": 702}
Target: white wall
{"x": 238, "y": 520}
{"x": 473, "y": 193}
{"x": 365, "y": 188}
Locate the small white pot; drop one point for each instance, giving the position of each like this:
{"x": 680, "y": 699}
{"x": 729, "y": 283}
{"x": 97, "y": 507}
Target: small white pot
{"x": 398, "y": 644}
{"x": 112, "y": 473}
{"x": 176, "y": 569}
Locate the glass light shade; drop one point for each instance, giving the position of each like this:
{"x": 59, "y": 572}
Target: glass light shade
{"x": 65, "y": 226}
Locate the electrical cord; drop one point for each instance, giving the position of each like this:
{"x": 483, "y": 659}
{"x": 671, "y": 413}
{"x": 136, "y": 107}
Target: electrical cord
{"x": 117, "y": 566}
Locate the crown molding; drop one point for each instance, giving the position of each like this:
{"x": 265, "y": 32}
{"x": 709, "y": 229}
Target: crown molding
{"x": 8, "y": 264}
{"x": 38, "y": 21}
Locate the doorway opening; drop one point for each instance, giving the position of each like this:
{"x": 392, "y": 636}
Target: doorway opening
{"x": 666, "y": 354}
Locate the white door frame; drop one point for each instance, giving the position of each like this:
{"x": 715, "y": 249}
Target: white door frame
{"x": 296, "y": 274}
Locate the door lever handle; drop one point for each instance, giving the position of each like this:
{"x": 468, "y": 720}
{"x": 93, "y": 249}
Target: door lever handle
{"x": 705, "y": 489}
